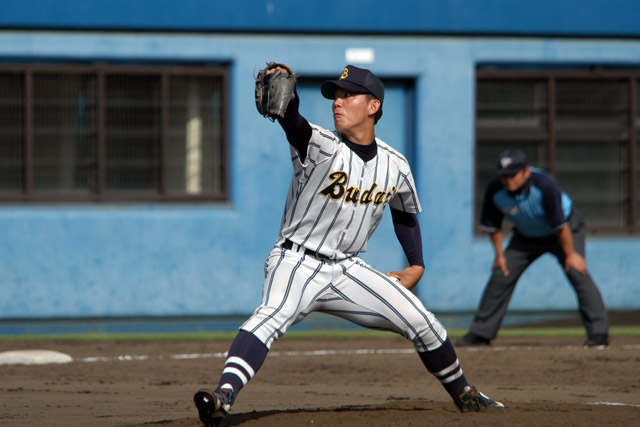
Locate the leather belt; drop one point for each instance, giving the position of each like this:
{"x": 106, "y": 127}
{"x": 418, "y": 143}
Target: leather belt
{"x": 288, "y": 244}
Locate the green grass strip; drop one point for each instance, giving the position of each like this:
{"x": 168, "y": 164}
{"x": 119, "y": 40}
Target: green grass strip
{"x": 618, "y": 331}
{"x": 312, "y": 334}
{"x": 134, "y": 336}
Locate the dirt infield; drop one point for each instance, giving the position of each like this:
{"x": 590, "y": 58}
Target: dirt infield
{"x": 324, "y": 382}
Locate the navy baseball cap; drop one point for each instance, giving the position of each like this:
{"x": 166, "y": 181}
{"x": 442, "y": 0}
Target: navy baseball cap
{"x": 357, "y": 80}
{"x": 511, "y": 162}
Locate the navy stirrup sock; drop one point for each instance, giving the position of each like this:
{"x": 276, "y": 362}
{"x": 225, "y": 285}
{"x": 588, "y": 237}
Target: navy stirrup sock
{"x": 245, "y": 357}
{"x": 444, "y": 365}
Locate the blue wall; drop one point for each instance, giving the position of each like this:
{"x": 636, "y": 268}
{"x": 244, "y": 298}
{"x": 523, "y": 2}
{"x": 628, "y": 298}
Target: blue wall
{"x": 540, "y": 17}
{"x": 95, "y": 260}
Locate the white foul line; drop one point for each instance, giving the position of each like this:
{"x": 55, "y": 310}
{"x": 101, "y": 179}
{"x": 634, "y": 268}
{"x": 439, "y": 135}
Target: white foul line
{"x": 223, "y": 355}
{"x": 613, "y": 404}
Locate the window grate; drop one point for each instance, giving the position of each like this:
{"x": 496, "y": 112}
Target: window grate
{"x": 108, "y": 133}
{"x": 582, "y": 126}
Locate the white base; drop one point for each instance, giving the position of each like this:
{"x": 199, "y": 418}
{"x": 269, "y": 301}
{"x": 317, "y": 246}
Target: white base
{"x": 33, "y": 357}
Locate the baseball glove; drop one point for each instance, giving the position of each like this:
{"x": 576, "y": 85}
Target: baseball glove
{"x": 274, "y": 90}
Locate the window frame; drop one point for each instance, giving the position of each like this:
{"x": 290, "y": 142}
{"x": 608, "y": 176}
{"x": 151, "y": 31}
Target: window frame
{"x": 101, "y": 71}
{"x": 551, "y": 76}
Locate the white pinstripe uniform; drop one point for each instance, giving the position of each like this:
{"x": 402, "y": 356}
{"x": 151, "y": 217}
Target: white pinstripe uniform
{"x": 335, "y": 202}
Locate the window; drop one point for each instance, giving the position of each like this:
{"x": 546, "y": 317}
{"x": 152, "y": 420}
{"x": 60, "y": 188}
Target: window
{"x": 12, "y": 132}
{"x": 583, "y": 127}
{"x": 113, "y": 133}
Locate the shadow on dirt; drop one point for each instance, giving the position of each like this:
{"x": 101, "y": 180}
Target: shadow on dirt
{"x": 358, "y": 411}
{"x": 238, "y": 419}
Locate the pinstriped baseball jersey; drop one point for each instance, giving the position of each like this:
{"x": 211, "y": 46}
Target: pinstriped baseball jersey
{"x": 336, "y": 199}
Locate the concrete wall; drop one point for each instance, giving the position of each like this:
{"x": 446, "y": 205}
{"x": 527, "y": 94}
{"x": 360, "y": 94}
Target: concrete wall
{"x": 153, "y": 259}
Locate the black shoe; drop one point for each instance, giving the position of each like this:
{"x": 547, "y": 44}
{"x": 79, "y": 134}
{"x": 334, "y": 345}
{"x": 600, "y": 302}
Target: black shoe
{"x": 471, "y": 400}
{"x": 597, "y": 342}
{"x": 471, "y": 339}
{"x": 213, "y": 406}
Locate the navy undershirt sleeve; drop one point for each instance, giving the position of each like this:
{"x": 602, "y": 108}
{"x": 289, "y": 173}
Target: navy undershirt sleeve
{"x": 408, "y": 233}
{"x": 490, "y": 216}
{"x": 551, "y": 199}
{"x": 297, "y": 128}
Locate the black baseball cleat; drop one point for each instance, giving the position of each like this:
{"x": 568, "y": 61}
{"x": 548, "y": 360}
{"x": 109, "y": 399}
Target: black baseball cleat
{"x": 213, "y": 406}
{"x": 472, "y": 339}
{"x": 597, "y": 342}
{"x": 471, "y": 400}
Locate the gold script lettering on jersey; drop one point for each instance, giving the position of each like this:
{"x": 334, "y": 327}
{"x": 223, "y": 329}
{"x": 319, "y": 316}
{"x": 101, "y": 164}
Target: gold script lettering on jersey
{"x": 338, "y": 190}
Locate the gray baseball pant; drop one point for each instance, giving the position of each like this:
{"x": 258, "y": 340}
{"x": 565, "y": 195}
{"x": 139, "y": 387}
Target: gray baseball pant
{"x": 520, "y": 253}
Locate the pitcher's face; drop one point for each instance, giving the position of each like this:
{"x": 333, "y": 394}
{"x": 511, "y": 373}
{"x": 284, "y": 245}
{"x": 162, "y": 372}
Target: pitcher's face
{"x": 351, "y": 110}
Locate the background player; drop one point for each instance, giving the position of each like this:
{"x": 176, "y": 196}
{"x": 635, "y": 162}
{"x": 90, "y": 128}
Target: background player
{"x": 341, "y": 183}
{"x": 544, "y": 222}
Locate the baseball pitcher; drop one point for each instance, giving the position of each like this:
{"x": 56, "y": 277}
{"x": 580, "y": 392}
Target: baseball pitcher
{"x": 342, "y": 182}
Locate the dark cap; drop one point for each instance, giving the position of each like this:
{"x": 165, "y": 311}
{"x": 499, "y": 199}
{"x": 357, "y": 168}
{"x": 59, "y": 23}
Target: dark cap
{"x": 511, "y": 162}
{"x": 357, "y": 80}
